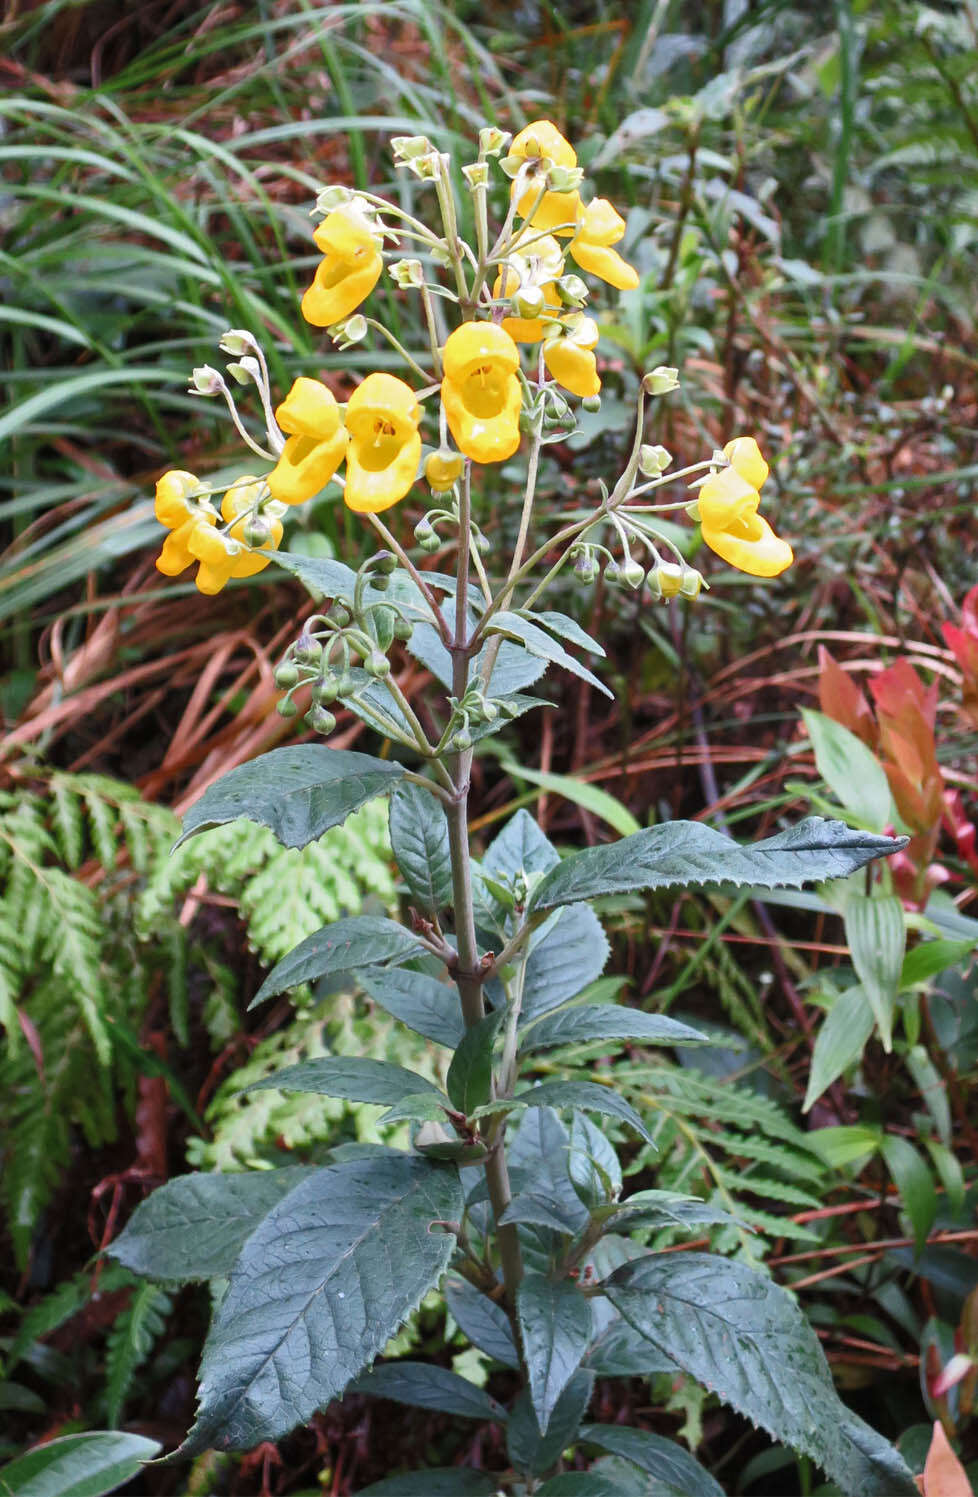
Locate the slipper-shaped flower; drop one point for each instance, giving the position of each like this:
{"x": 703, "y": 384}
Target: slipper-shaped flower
{"x": 349, "y": 270}
{"x": 744, "y": 456}
{"x": 181, "y": 512}
{"x": 316, "y": 444}
{"x": 556, "y": 212}
{"x": 599, "y": 226}
{"x": 382, "y": 418}
{"x": 570, "y": 359}
{"x": 226, "y": 555}
{"x": 732, "y": 527}
{"x": 481, "y": 393}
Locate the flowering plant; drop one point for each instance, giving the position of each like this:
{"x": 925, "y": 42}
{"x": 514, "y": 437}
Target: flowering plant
{"x": 508, "y": 1197}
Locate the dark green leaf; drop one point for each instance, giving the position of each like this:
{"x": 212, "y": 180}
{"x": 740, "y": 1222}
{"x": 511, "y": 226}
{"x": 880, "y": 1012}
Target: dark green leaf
{"x": 521, "y": 847}
{"x": 424, "y": 1004}
{"x": 664, "y": 1208}
{"x": 515, "y": 667}
{"x": 469, "y": 1079}
{"x": 485, "y": 1323}
{"x": 425, "y": 1385}
{"x": 689, "y": 855}
{"x": 840, "y": 1041}
{"x": 346, "y": 945}
{"x": 593, "y": 1164}
{"x": 85, "y": 1465}
{"x": 568, "y": 956}
{"x": 744, "y": 1337}
{"x": 876, "y": 932}
{"x": 541, "y": 644}
{"x": 555, "y": 1327}
{"x": 420, "y": 1107}
{"x": 453, "y": 1481}
{"x": 353, "y": 1077}
{"x": 540, "y": 1211}
{"x": 534, "y": 1453}
{"x": 619, "y": 1351}
{"x": 610, "y": 1022}
{"x": 318, "y": 1290}
{"x": 580, "y": 1484}
{"x": 567, "y": 628}
{"x": 538, "y": 1150}
{"x": 587, "y": 1095}
{"x": 419, "y": 838}
{"x": 298, "y": 792}
{"x": 676, "y": 1472}
{"x": 194, "y": 1226}
{"x": 914, "y": 1181}
{"x": 323, "y": 576}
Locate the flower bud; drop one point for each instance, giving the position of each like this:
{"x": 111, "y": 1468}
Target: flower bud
{"x": 660, "y": 381}
{"x": 333, "y": 197}
{"x": 632, "y": 573}
{"x": 666, "y": 580}
{"x": 324, "y": 691}
{"x": 410, "y": 147}
{"x": 653, "y": 461}
{"x": 430, "y": 542}
{"x": 441, "y": 469}
{"x": 306, "y": 650}
{"x": 565, "y": 179}
{"x": 586, "y": 566}
{"x": 612, "y": 573}
{"x": 237, "y": 341}
{"x": 476, "y": 174}
{"x": 528, "y": 301}
{"x": 246, "y": 372}
{"x": 482, "y": 543}
{"x": 423, "y": 531}
{"x": 206, "y": 381}
{"x": 572, "y": 291}
{"x": 461, "y": 741}
{"x": 491, "y": 140}
{"x": 691, "y": 583}
{"x": 286, "y": 675}
{"x": 384, "y": 562}
{"x": 339, "y": 615}
{"x": 591, "y": 403}
{"x": 287, "y": 708}
{"x": 407, "y": 273}
{"x": 377, "y": 664}
{"x": 352, "y": 330}
{"x": 346, "y": 684}
{"x": 320, "y": 720}
{"x": 403, "y": 629}
{"x": 256, "y": 531}
{"x": 380, "y": 582}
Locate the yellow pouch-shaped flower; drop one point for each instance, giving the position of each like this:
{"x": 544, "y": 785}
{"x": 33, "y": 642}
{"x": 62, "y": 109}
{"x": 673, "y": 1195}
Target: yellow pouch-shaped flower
{"x": 745, "y": 458}
{"x": 571, "y": 361}
{"x": 382, "y": 459}
{"x": 599, "y": 226}
{"x": 309, "y": 410}
{"x": 557, "y": 212}
{"x": 348, "y": 272}
{"x": 442, "y": 469}
{"x": 181, "y": 513}
{"x": 316, "y": 446}
{"x": 481, "y": 393}
{"x": 735, "y": 531}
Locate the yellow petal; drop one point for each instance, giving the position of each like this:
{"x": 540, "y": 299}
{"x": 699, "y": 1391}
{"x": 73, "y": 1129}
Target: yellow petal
{"x": 385, "y": 397}
{"x": 572, "y": 366}
{"x": 490, "y": 433}
{"x": 600, "y": 223}
{"x": 305, "y": 467}
{"x": 442, "y": 469}
{"x": 726, "y": 497}
{"x": 330, "y": 300}
{"x": 751, "y": 546}
{"x": 379, "y": 474}
{"x": 542, "y": 138}
{"x": 175, "y": 557}
{"x": 556, "y": 212}
{"x": 309, "y": 410}
{"x": 479, "y": 343}
{"x": 605, "y": 263}
{"x": 173, "y": 492}
{"x": 745, "y": 457}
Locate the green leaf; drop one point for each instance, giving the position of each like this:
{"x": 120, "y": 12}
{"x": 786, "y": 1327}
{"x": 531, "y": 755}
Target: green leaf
{"x": 85, "y": 1465}
{"x": 845, "y": 1145}
{"x": 580, "y": 1484}
{"x": 469, "y": 1079}
{"x": 515, "y": 667}
{"x": 555, "y": 1328}
{"x": 913, "y": 1180}
{"x": 933, "y": 1090}
{"x": 567, "y": 628}
{"x": 676, "y": 1472}
{"x": 424, "y": 1004}
{"x": 419, "y": 838}
{"x": 564, "y": 959}
{"x": 587, "y": 1095}
{"x": 593, "y": 1164}
{"x": 353, "y": 1077}
{"x": 533, "y": 1452}
{"x": 930, "y": 958}
{"x": 318, "y": 1290}
{"x": 852, "y": 772}
{"x": 610, "y": 1022}
{"x": 591, "y": 797}
{"x": 743, "y": 1336}
{"x": 424, "y": 1385}
{"x": 665, "y": 1208}
{"x": 452, "y": 1481}
{"x": 485, "y": 1323}
{"x": 840, "y": 1041}
{"x": 194, "y": 1226}
{"x": 346, "y": 945}
{"x": 693, "y": 856}
{"x": 539, "y": 643}
{"x": 521, "y": 847}
{"x": 322, "y": 575}
{"x": 298, "y": 792}
{"x": 540, "y": 1211}
{"x": 876, "y": 933}
{"x": 538, "y": 1150}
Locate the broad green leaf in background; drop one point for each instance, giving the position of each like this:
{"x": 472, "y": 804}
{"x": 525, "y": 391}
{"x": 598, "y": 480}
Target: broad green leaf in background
{"x": 298, "y": 792}
{"x": 607, "y": 1022}
{"x": 846, "y": 1145}
{"x": 913, "y": 1179}
{"x": 933, "y": 1090}
{"x": 356, "y": 1078}
{"x": 521, "y": 847}
{"x": 541, "y": 644}
{"x": 424, "y": 1004}
{"x": 84, "y": 1465}
{"x": 419, "y": 838}
{"x": 583, "y": 1484}
{"x": 694, "y": 856}
{"x": 676, "y": 1473}
{"x": 593, "y": 1163}
{"x": 563, "y": 960}
{"x": 840, "y": 1041}
{"x": 929, "y": 958}
{"x": 193, "y": 1227}
{"x": 853, "y": 774}
{"x": 589, "y": 797}
{"x": 665, "y": 1208}
{"x": 485, "y": 1323}
{"x": 567, "y": 628}
{"x": 555, "y": 1328}
{"x": 344, "y": 946}
{"x": 312, "y": 1300}
{"x": 424, "y": 1385}
{"x": 742, "y": 1335}
{"x": 876, "y": 934}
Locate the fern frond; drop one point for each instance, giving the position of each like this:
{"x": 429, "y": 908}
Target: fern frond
{"x": 130, "y": 1342}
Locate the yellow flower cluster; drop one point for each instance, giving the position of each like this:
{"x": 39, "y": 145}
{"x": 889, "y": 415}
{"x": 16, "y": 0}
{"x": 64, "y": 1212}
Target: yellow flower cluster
{"x": 194, "y": 537}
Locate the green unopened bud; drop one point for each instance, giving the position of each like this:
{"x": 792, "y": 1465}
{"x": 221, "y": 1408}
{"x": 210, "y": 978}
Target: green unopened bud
{"x": 612, "y": 573}
{"x": 430, "y": 542}
{"x": 320, "y": 720}
{"x": 660, "y": 381}
{"x": 380, "y": 582}
{"x": 403, "y": 629}
{"x": 586, "y": 566}
{"x": 407, "y": 273}
{"x": 256, "y": 532}
{"x": 632, "y": 573}
{"x": 286, "y": 675}
{"x": 476, "y": 174}
{"x": 237, "y": 341}
{"x": 352, "y": 330}
{"x": 591, "y": 403}
{"x": 461, "y": 741}
{"x": 491, "y": 140}
{"x": 653, "y": 461}
{"x": 377, "y": 664}
{"x": 423, "y": 531}
{"x": 572, "y": 291}
{"x": 246, "y": 372}
{"x": 565, "y": 178}
{"x": 339, "y": 615}
{"x": 287, "y": 708}
{"x": 483, "y": 544}
{"x": 528, "y": 301}
{"x": 206, "y": 381}
{"x": 324, "y": 691}
{"x": 331, "y": 198}
{"x": 410, "y": 147}
{"x": 306, "y": 650}
{"x": 385, "y": 562}
{"x": 345, "y": 684}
